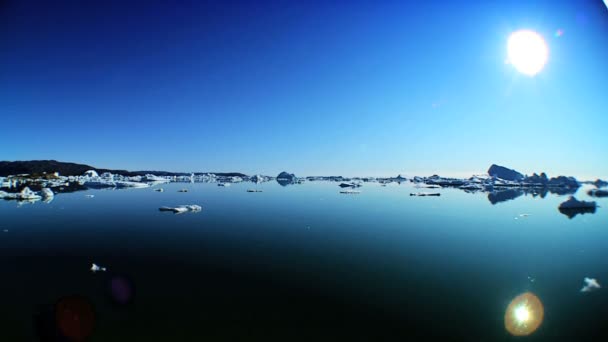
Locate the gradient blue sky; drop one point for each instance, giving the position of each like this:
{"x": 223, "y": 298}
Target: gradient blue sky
{"x": 315, "y": 88}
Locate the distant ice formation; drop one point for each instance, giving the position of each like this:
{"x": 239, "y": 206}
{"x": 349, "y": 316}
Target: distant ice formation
{"x": 591, "y": 284}
{"x": 182, "y": 208}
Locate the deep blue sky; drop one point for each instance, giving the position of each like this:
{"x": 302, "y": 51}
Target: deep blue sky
{"x": 332, "y": 87}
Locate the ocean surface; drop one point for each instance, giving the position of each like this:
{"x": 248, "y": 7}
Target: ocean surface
{"x": 299, "y": 263}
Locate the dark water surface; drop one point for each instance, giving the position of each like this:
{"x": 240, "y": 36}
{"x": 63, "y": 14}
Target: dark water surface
{"x": 302, "y": 263}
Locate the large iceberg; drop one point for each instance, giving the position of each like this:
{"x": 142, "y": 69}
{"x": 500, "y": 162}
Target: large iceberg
{"x": 504, "y": 173}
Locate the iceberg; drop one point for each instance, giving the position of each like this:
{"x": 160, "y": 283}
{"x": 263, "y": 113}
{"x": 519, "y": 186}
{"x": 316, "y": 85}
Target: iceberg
{"x": 25, "y": 195}
{"x": 423, "y": 194}
{"x": 590, "y": 285}
{"x": 258, "y": 179}
{"x": 504, "y": 173}
{"x": 573, "y": 203}
{"x": 472, "y": 187}
{"x": 47, "y": 195}
{"x": 573, "y": 207}
{"x": 182, "y": 208}
{"x": 598, "y": 193}
{"x": 91, "y": 174}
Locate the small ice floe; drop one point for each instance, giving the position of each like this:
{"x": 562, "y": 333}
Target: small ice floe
{"x": 591, "y": 284}
{"x": 223, "y": 184}
{"x": 598, "y": 193}
{"x": 159, "y": 190}
{"x": 182, "y": 208}
{"x": 351, "y": 192}
{"x": 573, "y": 203}
{"x": 89, "y": 196}
{"x": 422, "y": 194}
{"x": 47, "y": 193}
{"x": 182, "y": 190}
{"x": 97, "y": 268}
{"x": 253, "y": 190}
{"x": 573, "y": 207}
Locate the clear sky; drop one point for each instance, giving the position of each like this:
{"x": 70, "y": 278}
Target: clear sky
{"x": 315, "y": 88}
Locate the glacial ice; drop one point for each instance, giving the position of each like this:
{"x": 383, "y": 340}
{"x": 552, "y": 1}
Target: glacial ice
{"x": 590, "y": 285}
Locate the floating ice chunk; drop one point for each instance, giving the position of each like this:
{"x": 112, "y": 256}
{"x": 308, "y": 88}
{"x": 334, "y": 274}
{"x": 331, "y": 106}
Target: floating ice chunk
{"x": 96, "y": 268}
{"x": 159, "y": 190}
{"x": 223, "y": 184}
{"x": 524, "y": 215}
{"x": 422, "y": 194}
{"x": 182, "y": 208}
{"x": 573, "y": 203}
{"x": 591, "y": 284}
{"x": 27, "y": 194}
{"x": 89, "y": 196}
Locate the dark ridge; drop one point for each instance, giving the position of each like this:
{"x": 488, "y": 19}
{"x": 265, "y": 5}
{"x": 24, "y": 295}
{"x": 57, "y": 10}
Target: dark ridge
{"x": 39, "y": 167}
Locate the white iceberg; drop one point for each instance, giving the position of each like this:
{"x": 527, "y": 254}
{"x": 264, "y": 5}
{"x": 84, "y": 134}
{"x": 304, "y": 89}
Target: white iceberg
{"x": 590, "y": 285}
{"x": 423, "y": 194}
{"x": 182, "y": 208}
{"x": 27, "y": 194}
{"x": 47, "y": 195}
{"x": 91, "y": 173}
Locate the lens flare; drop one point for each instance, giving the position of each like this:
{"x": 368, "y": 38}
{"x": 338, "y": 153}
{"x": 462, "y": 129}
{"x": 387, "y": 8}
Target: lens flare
{"x": 524, "y": 315}
{"x": 559, "y": 33}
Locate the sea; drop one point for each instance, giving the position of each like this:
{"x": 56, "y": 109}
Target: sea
{"x": 300, "y": 262}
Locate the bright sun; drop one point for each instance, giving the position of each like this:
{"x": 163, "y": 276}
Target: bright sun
{"x": 527, "y": 51}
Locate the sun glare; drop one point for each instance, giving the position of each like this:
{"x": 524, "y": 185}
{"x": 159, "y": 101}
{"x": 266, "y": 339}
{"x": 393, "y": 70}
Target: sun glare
{"x": 527, "y": 52}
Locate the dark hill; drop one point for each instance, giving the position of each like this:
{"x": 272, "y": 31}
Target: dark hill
{"x": 39, "y": 167}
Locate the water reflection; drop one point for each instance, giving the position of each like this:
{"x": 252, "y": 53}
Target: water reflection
{"x": 284, "y": 182}
{"x": 572, "y": 212}
{"x": 504, "y": 195}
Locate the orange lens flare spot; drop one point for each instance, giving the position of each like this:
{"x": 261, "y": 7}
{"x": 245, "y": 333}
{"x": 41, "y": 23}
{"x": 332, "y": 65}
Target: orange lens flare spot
{"x": 524, "y": 315}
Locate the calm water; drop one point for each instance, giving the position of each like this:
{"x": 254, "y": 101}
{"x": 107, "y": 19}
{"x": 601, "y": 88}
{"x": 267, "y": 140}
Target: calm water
{"x": 303, "y": 262}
